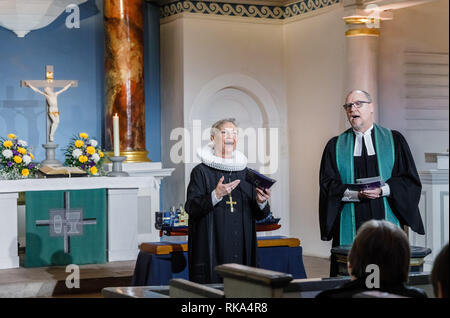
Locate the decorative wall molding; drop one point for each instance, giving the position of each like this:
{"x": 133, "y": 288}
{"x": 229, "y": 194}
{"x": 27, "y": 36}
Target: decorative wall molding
{"x": 444, "y": 199}
{"x": 434, "y": 176}
{"x": 433, "y": 206}
{"x": 261, "y": 11}
{"x": 426, "y": 91}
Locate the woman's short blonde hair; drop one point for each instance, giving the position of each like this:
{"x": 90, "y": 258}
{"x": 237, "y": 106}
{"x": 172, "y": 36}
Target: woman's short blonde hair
{"x": 216, "y": 126}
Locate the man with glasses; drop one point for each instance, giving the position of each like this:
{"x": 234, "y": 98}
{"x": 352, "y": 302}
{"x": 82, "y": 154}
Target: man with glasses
{"x": 366, "y": 150}
{"x": 222, "y": 207}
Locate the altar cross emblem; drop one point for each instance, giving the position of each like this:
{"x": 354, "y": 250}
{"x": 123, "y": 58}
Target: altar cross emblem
{"x": 231, "y": 202}
{"x": 66, "y": 222}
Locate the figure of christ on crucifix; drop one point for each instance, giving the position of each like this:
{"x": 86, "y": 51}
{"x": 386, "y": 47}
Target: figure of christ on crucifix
{"x": 51, "y": 98}
{"x": 52, "y": 105}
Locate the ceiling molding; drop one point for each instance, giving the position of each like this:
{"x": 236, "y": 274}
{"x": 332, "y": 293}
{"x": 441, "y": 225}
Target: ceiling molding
{"x": 248, "y": 2}
{"x": 242, "y": 9}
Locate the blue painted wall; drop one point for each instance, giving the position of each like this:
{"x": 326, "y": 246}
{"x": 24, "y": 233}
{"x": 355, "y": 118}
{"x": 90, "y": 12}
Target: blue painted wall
{"x": 152, "y": 82}
{"x": 76, "y": 54}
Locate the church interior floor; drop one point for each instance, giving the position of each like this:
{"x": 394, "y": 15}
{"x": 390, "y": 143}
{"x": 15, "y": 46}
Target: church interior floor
{"x": 50, "y": 281}
{"x": 316, "y": 267}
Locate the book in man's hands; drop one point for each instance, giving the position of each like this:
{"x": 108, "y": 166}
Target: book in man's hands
{"x": 53, "y": 171}
{"x": 369, "y": 183}
{"x": 259, "y": 180}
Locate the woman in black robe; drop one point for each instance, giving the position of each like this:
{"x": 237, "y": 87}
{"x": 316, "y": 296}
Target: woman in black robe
{"x": 222, "y": 208}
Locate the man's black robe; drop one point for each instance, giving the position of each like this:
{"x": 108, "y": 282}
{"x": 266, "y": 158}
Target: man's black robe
{"x": 216, "y": 235}
{"x": 405, "y": 190}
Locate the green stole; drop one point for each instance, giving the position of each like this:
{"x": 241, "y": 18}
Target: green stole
{"x": 384, "y": 145}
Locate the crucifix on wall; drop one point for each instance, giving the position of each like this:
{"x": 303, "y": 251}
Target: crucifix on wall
{"x": 52, "y": 107}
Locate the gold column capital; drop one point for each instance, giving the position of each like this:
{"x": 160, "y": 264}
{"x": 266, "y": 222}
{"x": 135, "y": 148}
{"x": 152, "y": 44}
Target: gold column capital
{"x": 360, "y": 20}
{"x": 362, "y": 32}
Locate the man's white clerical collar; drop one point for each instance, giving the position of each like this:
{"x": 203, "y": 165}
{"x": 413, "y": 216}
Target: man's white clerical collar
{"x": 237, "y": 163}
{"x": 367, "y": 135}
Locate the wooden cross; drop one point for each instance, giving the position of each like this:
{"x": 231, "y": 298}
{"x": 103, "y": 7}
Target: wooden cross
{"x": 231, "y": 202}
{"x": 49, "y": 81}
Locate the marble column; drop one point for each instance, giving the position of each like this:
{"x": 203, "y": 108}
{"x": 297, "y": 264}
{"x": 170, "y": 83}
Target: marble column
{"x": 362, "y": 56}
{"x": 124, "y": 77}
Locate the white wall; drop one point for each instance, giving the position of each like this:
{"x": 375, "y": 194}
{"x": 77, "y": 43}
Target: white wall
{"x": 223, "y": 55}
{"x": 413, "y": 81}
{"x": 172, "y": 111}
{"x": 315, "y": 62}
{"x": 294, "y": 71}
{"x": 218, "y": 60}
{"x": 423, "y": 120}
{"x": 315, "y": 68}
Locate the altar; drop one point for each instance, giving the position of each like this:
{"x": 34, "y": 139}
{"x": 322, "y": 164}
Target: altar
{"x": 124, "y": 211}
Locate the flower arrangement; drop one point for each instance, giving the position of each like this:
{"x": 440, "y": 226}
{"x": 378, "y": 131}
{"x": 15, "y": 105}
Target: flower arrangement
{"x": 16, "y": 159}
{"x": 83, "y": 152}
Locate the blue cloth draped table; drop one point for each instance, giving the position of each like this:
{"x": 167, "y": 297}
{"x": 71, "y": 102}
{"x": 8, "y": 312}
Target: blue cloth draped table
{"x": 154, "y": 269}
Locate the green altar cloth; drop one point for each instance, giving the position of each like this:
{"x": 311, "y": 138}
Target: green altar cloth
{"x": 65, "y": 227}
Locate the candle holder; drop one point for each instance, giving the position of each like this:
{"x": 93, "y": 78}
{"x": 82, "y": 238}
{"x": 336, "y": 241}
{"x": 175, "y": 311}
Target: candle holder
{"x": 117, "y": 167}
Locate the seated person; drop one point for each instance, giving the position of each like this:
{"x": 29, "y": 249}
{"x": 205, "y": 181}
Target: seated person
{"x": 439, "y": 274}
{"x": 380, "y": 243}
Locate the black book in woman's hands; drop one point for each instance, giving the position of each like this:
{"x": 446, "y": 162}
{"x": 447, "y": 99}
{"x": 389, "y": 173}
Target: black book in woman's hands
{"x": 259, "y": 180}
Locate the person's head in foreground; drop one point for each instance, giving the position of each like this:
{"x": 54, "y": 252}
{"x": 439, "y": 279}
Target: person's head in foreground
{"x": 378, "y": 262}
{"x": 439, "y": 275}
{"x": 383, "y": 244}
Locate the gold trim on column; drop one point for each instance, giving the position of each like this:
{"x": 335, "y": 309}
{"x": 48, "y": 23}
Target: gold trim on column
{"x": 363, "y": 32}
{"x": 132, "y": 156}
{"x": 360, "y": 20}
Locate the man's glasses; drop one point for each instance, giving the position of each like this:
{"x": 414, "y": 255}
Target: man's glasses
{"x": 357, "y": 104}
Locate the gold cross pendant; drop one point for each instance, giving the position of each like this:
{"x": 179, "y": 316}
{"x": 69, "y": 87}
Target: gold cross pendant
{"x": 231, "y": 202}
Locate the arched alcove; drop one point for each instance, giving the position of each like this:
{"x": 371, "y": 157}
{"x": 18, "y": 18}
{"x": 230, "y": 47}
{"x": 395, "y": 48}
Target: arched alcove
{"x": 250, "y": 103}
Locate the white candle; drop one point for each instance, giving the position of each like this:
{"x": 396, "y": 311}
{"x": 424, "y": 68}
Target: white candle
{"x": 116, "y": 135}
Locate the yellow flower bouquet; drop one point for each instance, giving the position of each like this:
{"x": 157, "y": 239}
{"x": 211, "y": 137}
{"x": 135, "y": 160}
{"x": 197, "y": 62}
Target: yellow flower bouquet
{"x": 84, "y": 153}
{"x": 16, "y": 160}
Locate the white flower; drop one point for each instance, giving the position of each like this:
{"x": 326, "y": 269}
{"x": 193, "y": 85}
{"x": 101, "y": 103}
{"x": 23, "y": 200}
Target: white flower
{"x": 95, "y": 157}
{"x": 7, "y": 153}
{"x": 93, "y": 142}
{"x": 22, "y": 143}
{"x": 26, "y": 159}
{"x": 76, "y": 153}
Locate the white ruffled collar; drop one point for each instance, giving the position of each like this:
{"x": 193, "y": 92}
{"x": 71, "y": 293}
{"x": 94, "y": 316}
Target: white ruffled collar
{"x": 237, "y": 163}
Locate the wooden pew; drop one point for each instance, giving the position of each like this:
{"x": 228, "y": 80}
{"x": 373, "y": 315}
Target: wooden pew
{"x": 246, "y": 282}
